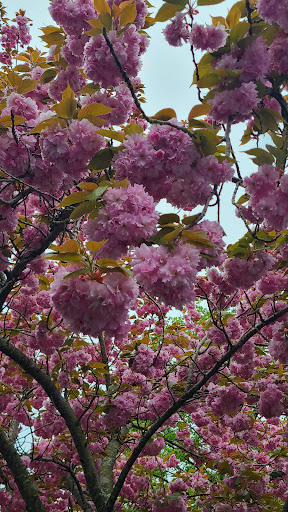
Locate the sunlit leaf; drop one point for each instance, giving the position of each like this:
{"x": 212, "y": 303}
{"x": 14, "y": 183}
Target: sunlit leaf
{"x": 165, "y": 114}
{"x": 75, "y": 198}
{"x": 167, "y": 11}
{"x": 95, "y": 246}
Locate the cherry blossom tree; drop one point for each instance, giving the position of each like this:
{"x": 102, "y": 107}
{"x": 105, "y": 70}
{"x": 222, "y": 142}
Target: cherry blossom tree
{"x": 108, "y": 403}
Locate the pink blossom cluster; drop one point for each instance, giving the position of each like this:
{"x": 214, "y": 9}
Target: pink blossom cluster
{"x": 120, "y": 101}
{"x": 244, "y": 273}
{"x": 90, "y": 306}
{"x": 224, "y": 399}
{"x": 168, "y": 274}
{"x": 278, "y": 345}
{"x": 70, "y": 75}
{"x": 268, "y": 192}
{"x": 99, "y": 64}
{"x": 73, "y": 50}
{"x": 278, "y": 55}
{"x": 269, "y": 404}
{"x": 128, "y": 217}
{"x": 121, "y": 409}
{"x": 214, "y": 233}
{"x": 168, "y": 164}
{"x": 69, "y": 151}
{"x": 241, "y": 102}
{"x": 177, "y": 31}
{"x": 143, "y": 361}
{"x": 72, "y": 15}
{"x": 274, "y": 11}
{"x": 172, "y": 503}
{"x": 155, "y": 447}
{"x": 46, "y": 341}
{"x": 23, "y": 30}
{"x": 22, "y": 106}
{"x": 208, "y": 38}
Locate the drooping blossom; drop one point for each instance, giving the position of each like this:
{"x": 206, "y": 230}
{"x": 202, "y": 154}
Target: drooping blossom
{"x": 128, "y": 217}
{"x": 168, "y": 274}
{"x": 208, "y": 38}
{"x": 90, "y": 306}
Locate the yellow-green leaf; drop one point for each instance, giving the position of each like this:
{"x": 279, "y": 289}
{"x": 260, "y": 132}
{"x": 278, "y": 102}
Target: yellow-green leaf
{"x": 111, "y": 134}
{"x": 53, "y": 121}
{"x": 98, "y": 192}
{"x": 233, "y": 16}
{"x": 26, "y": 86}
{"x": 165, "y": 114}
{"x": 167, "y": 218}
{"x": 21, "y": 68}
{"x": 48, "y": 75}
{"x": 66, "y": 108}
{"x": 95, "y": 246}
{"x": 94, "y": 109}
{"x": 128, "y": 15}
{"x": 66, "y": 257}
{"x": 82, "y": 209}
{"x": 171, "y": 236}
{"x": 101, "y": 6}
{"x": 167, "y": 11}
{"x": 218, "y": 19}
{"x": 79, "y": 272}
{"x": 69, "y": 246}
{"x": 7, "y": 121}
{"x": 197, "y": 238}
{"x": 53, "y": 38}
{"x": 199, "y": 110}
{"x": 133, "y": 128}
{"x": 209, "y": 2}
{"x": 75, "y": 198}
{"x": 209, "y": 80}
{"x": 87, "y": 185}
{"x": 101, "y": 160}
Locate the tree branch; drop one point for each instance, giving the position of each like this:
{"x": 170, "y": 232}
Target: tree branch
{"x": 63, "y": 407}
{"x": 183, "y": 400}
{"x": 21, "y": 475}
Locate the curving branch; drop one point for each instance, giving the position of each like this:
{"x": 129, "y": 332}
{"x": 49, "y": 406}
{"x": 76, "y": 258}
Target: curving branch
{"x": 187, "y": 395}
{"x": 67, "y": 413}
{"x": 57, "y": 226}
{"x": 21, "y": 475}
{"x": 127, "y": 80}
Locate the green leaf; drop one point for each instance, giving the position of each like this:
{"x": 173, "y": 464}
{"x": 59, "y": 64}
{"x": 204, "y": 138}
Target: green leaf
{"x": 209, "y": 80}
{"x": 69, "y": 246}
{"x": 95, "y": 246}
{"x": 98, "y": 192}
{"x": 233, "y": 16}
{"x": 209, "y": 2}
{"x": 165, "y": 114}
{"x": 75, "y": 198}
{"x": 197, "y": 238}
{"x": 171, "y": 236}
{"x": 48, "y": 75}
{"x": 94, "y": 109}
{"x": 189, "y": 219}
{"x": 128, "y": 15}
{"x": 101, "y": 160}
{"x": 199, "y": 110}
{"x": 27, "y": 86}
{"x": 79, "y": 272}
{"x": 167, "y": 11}
{"x": 239, "y": 31}
{"x": 82, "y": 209}
{"x": 65, "y": 257}
{"x": 262, "y": 157}
{"x": 167, "y": 218}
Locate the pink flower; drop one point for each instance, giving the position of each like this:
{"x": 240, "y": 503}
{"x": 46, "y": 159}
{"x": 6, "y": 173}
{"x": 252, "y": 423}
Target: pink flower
{"x": 208, "y": 38}
{"x": 90, "y": 306}
{"x": 167, "y": 274}
{"x": 128, "y": 217}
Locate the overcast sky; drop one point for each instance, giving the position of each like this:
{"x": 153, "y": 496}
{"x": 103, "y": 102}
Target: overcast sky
{"x": 167, "y": 74}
